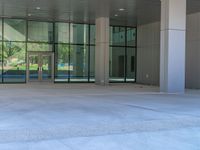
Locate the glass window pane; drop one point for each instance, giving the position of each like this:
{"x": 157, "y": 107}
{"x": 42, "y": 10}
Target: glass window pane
{"x": 1, "y": 34}
{"x": 1, "y": 62}
{"x": 117, "y": 36}
{"x": 46, "y": 67}
{"x": 33, "y": 67}
{"x": 39, "y": 47}
{"x": 62, "y": 63}
{"x": 62, "y": 33}
{"x": 117, "y": 64}
{"x": 131, "y": 64}
{"x": 79, "y": 63}
{"x": 92, "y": 63}
{"x": 14, "y": 30}
{"x": 131, "y": 36}
{"x": 1, "y": 57}
{"x": 40, "y": 31}
{"x": 92, "y": 34}
{"x": 79, "y": 34}
{"x": 14, "y": 62}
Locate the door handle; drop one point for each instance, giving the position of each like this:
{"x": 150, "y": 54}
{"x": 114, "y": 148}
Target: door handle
{"x": 39, "y": 68}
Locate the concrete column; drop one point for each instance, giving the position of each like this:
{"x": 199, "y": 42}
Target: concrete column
{"x": 102, "y": 51}
{"x": 172, "y": 57}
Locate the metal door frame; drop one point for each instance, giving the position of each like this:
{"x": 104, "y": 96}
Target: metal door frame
{"x": 40, "y": 54}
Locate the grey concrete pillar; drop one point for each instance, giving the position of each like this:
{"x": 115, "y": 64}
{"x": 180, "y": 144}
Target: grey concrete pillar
{"x": 102, "y": 51}
{"x": 172, "y": 57}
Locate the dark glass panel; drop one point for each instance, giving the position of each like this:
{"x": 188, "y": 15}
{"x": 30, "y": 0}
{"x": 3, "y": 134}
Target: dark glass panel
{"x": 79, "y": 34}
{"x": 117, "y": 64}
{"x": 117, "y": 36}
{"x": 92, "y": 34}
{"x": 92, "y": 63}
{"x": 131, "y": 64}
{"x": 131, "y": 36}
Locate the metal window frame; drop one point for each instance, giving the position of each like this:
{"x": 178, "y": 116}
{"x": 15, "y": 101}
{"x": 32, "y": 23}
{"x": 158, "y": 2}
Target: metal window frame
{"x": 125, "y": 47}
{"x": 54, "y": 43}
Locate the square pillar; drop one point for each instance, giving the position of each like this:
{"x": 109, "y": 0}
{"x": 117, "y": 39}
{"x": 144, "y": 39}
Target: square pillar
{"x": 102, "y": 51}
{"x": 173, "y": 41}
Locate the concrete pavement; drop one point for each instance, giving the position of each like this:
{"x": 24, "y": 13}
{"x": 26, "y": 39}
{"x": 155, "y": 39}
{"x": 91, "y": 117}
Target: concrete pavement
{"x": 86, "y": 116}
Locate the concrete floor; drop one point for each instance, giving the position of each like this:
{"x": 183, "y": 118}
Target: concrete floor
{"x": 89, "y": 117}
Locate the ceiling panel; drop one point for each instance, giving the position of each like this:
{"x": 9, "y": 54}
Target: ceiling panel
{"x": 136, "y": 11}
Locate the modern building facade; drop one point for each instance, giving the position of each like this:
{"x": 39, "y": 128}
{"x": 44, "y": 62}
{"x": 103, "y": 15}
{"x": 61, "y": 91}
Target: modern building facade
{"x": 140, "y": 41}
{"x": 62, "y": 52}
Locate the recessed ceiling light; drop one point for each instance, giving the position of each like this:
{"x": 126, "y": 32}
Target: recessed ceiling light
{"x": 116, "y": 15}
{"x": 38, "y": 8}
{"x": 29, "y": 15}
{"x": 121, "y": 9}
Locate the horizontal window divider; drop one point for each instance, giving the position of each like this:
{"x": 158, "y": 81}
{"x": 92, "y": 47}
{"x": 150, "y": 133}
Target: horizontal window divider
{"x": 78, "y": 44}
{"x": 39, "y": 42}
{"x": 39, "y": 20}
{"x": 62, "y": 43}
{"x": 14, "y": 41}
{"x": 116, "y": 46}
{"x": 123, "y": 26}
{"x": 131, "y": 46}
{"x": 59, "y": 21}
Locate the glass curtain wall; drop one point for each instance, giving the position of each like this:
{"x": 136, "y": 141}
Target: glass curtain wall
{"x": 131, "y": 51}
{"x": 1, "y": 51}
{"x": 73, "y": 46}
{"x": 73, "y": 53}
{"x": 40, "y": 41}
{"x": 122, "y": 54}
{"x": 14, "y": 50}
{"x": 62, "y": 52}
{"x": 79, "y": 41}
{"x": 40, "y": 36}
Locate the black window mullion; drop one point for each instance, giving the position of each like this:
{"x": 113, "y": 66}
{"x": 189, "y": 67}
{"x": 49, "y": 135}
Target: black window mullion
{"x": 89, "y": 54}
{"x": 69, "y": 73}
{"x": 136, "y": 55}
{"x": 26, "y": 51}
{"x": 2, "y": 50}
{"x": 126, "y": 59}
{"x": 54, "y": 49}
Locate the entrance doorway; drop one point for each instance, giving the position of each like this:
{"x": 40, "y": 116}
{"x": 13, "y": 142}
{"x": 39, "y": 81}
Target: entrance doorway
{"x": 40, "y": 67}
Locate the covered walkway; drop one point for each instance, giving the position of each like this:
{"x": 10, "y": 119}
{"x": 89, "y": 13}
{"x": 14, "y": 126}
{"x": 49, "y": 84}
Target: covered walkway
{"x": 82, "y": 116}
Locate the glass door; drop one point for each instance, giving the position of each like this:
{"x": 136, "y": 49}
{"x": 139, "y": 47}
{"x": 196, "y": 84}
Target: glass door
{"x": 46, "y": 67}
{"x": 33, "y": 68}
{"x": 40, "y": 66}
